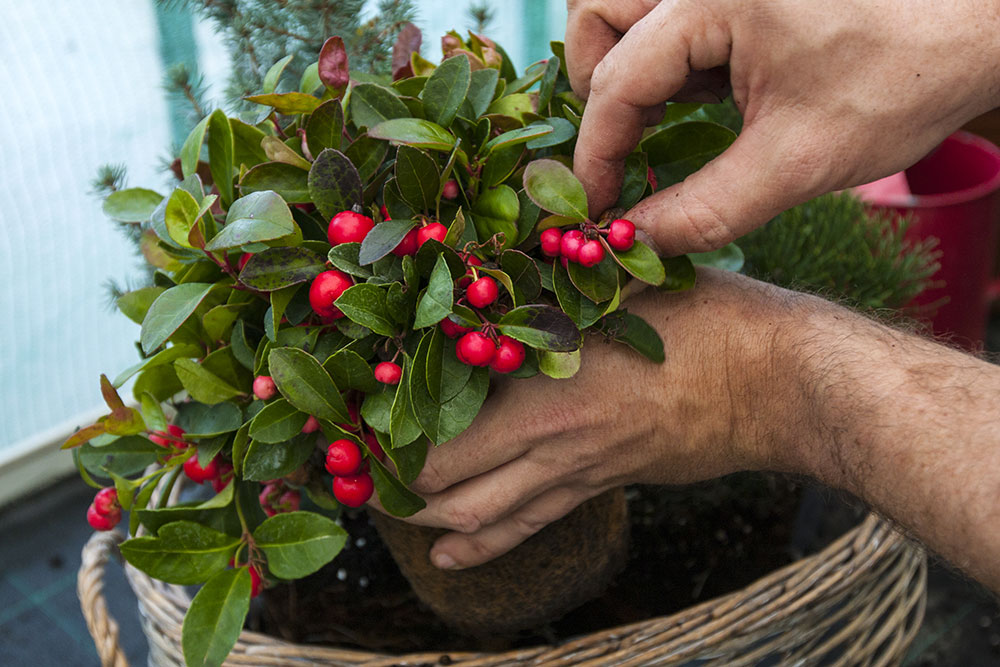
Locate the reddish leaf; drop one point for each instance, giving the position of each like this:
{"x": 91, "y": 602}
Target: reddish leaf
{"x": 85, "y": 434}
{"x": 407, "y": 42}
{"x": 110, "y": 394}
{"x": 333, "y": 71}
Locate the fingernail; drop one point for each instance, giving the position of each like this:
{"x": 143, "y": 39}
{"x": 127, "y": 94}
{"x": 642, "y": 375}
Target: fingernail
{"x": 444, "y": 562}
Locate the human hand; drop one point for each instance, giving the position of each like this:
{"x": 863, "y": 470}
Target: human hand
{"x": 832, "y": 95}
{"x": 540, "y": 447}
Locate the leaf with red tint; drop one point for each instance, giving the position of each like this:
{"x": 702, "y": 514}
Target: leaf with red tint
{"x": 407, "y": 42}
{"x": 333, "y": 71}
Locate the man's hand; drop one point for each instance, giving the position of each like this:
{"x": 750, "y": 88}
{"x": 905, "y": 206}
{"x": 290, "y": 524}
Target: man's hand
{"x": 833, "y": 94}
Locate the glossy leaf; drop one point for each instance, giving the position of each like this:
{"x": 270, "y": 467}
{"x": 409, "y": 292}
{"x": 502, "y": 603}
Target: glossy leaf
{"x": 264, "y": 461}
{"x": 559, "y": 365}
{"x": 257, "y": 217}
{"x": 203, "y": 385}
{"x": 548, "y": 84}
{"x": 641, "y": 262}
{"x": 496, "y": 211}
{"x": 598, "y": 283}
{"x": 403, "y": 426}
{"x": 334, "y": 183}
{"x": 541, "y": 327}
{"x": 393, "y": 494}
{"x": 437, "y": 300}
{"x": 131, "y": 205}
{"x": 728, "y": 258}
{"x": 367, "y": 154}
{"x": 482, "y": 87}
{"x": 635, "y": 332}
{"x": 299, "y": 543}
{"x": 502, "y": 163}
{"x": 286, "y": 103}
{"x": 515, "y": 137}
{"x": 577, "y": 307}
{"x": 213, "y": 622}
{"x": 270, "y": 83}
{"x": 180, "y": 216}
{"x": 301, "y": 379}
{"x": 417, "y": 178}
{"x": 679, "y": 150}
{"x": 183, "y": 552}
{"x": 278, "y": 151}
{"x": 220, "y": 154}
{"x": 206, "y": 421}
{"x": 350, "y": 371}
{"x": 290, "y": 183}
{"x": 414, "y": 132}
{"x": 169, "y": 311}
{"x": 443, "y": 421}
{"x": 554, "y": 188}
{"x": 634, "y": 181}
{"x": 382, "y": 239}
{"x": 325, "y": 127}
{"x": 125, "y": 456}
{"x": 515, "y": 106}
{"x": 277, "y": 422}
{"x": 276, "y": 268}
{"x": 680, "y": 274}
{"x": 562, "y": 131}
{"x": 246, "y": 144}
{"x": 365, "y": 305}
{"x": 191, "y": 150}
{"x": 446, "y": 375}
{"x": 135, "y": 304}
{"x": 446, "y": 89}
{"x": 523, "y": 272}
{"x": 372, "y": 104}
{"x": 346, "y": 257}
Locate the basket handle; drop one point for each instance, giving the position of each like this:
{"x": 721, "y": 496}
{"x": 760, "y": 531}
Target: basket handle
{"x": 90, "y": 589}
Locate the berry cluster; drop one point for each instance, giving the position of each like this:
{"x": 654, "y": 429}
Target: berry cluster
{"x": 577, "y": 246}
{"x": 216, "y": 471}
{"x": 277, "y": 498}
{"x": 352, "y": 484}
{"x": 105, "y": 512}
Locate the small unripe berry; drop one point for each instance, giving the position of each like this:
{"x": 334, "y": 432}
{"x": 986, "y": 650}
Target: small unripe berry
{"x": 311, "y": 425}
{"x": 343, "y": 457}
{"x": 509, "y": 355}
{"x": 621, "y": 234}
{"x": 475, "y": 349}
{"x": 256, "y": 583}
{"x": 482, "y": 292}
{"x": 172, "y": 438}
{"x": 106, "y": 501}
{"x": 100, "y": 521}
{"x": 551, "y": 242}
{"x": 200, "y": 475}
{"x": 244, "y": 258}
{"x": 353, "y": 490}
{"x": 388, "y": 373}
{"x": 374, "y": 446}
{"x": 452, "y": 329}
{"x": 353, "y": 415}
{"x": 434, "y": 230}
{"x": 591, "y": 253}
{"x": 268, "y": 494}
{"x": 289, "y": 501}
{"x": 225, "y": 476}
{"x": 450, "y": 190}
{"x": 348, "y": 227}
{"x": 264, "y": 387}
{"x": 325, "y": 289}
{"x": 569, "y": 245}
{"x": 408, "y": 245}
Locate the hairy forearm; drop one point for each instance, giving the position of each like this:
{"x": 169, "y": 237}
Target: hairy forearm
{"x": 910, "y": 426}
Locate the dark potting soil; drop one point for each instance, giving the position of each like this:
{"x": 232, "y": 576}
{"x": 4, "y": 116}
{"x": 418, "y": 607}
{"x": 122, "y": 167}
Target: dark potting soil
{"x": 688, "y": 544}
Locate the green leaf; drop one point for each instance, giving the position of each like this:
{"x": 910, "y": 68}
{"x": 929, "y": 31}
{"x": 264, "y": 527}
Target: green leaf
{"x": 372, "y": 104}
{"x": 515, "y": 137}
{"x": 181, "y": 215}
{"x": 641, "y": 262}
{"x": 548, "y": 84}
{"x": 277, "y": 422}
{"x": 290, "y": 183}
{"x": 278, "y": 151}
{"x": 131, "y": 205}
{"x": 501, "y": 165}
{"x": 135, "y": 304}
{"x": 455, "y": 230}
{"x": 240, "y": 347}
{"x": 182, "y": 553}
{"x": 559, "y": 365}
{"x": 482, "y": 87}
{"x": 443, "y": 421}
{"x": 213, "y": 622}
{"x": 377, "y": 408}
{"x": 635, "y": 332}
{"x": 554, "y": 188}
{"x": 167, "y": 356}
{"x": 728, "y": 258}
{"x": 169, "y": 311}
{"x": 350, "y": 371}
{"x": 598, "y": 283}
{"x": 299, "y": 543}
{"x": 286, "y": 103}
{"x": 273, "y": 75}
{"x": 259, "y": 216}
{"x": 394, "y": 497}
{"x": 301, "y": 379}
{"x": 367, "y": 154}
{"x": 382, "y": 239}
{"x": 446, "y": 375}
{"x": 446, "y": 89}
{"x": 220, "y": 155}
{"x": 160, "y": 381}
{"x": 414, "y": 132}
{"x": 325, "y": 128}
{"x": 542, "y": 327}
{"x": 152, "y": 413}
{"x": 496, "y": 211}
{"x": 246, "y": 143}
{"x": 678, "y": 151}
{"x": 517, "y": 106}
{"x": 334, "y": 183}
{"x": 635, "y": 180}
{"x": 578, "y": 307}
{"x": 365, "y": 304}
{"x": 562, "y": 131}
{"x": 276, "y": 268}
{"x": 203, "y": 385}
{"x": 403, "y": 426}
{"x": 680, "y": 274}
{"x": 125, "y": 456}
{"x": 524, "y": 274}
{"x": 205, "y": 421}
{"x": 191, "y": 150}
{"x": 437, "y": 300}
{"x": 346, "y": 257}
{"x": 265, "y": 461}
{"x": 417, "y": 178}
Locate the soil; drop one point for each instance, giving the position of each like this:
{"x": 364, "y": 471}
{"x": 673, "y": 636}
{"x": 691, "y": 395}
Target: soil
{"x": 688, "y": 544}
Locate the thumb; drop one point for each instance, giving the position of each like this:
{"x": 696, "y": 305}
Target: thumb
{"x": 761, "y": 174}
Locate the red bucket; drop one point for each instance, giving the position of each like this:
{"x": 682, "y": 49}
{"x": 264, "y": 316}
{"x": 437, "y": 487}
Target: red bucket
{"x": 953, "y": 195}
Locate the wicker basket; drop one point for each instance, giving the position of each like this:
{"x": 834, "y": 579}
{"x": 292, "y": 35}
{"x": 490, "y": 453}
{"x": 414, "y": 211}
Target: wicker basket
{"x": 859, "y": 601}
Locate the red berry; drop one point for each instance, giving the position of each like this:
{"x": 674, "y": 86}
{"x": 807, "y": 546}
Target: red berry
{"x": 264, "y": 387}
{"x": 408, "y": 246}
{"x": 256, "y": 583}
{"x": 551, "y": 242}
{"x": 343, "y": 457}
{"x": 482, "y": 292}
{"x": 651, "y": 178}
{"x": 388, "y": 373}
{"x": 450, "y": 190}
{"x": 475, "y": 349}
{"x": 224, "y": 477}
{"x": 591, "y": 253}
{"x": 172, "y": 437}
{"x": 384, "y": 212}
{"x": 374, "y": 446}
{"x": 267, "y": 494}
{"x": 100, "y": 521}
{"x": 244, "y": 258}
{"x": 325, "y": 289}
{"x": 354, "y": 415}
{"x": 621, "y": 234}
{"x": 106, "y": 501}
{"x": 569, "y": 245}
{"x": 348, "y": 227}
{"x": 434, "y": 230}
{"x": 289, "y": 501}
{"x": 452, "y": 329}
{"x": 353, "y": 490}
{"x": 509, "y": 356}
{"x": 308, "y": 207}
{"x": 200, "y": 475}
{"x": 472, "y": 260}
{"x": 311, "y": 425}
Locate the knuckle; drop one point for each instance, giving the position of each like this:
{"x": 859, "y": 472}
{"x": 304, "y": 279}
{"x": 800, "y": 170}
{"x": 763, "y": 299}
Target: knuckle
{"x": 429, "y": 480}
{"x": 462, "y": 518}
{"x": 706, "y": 227}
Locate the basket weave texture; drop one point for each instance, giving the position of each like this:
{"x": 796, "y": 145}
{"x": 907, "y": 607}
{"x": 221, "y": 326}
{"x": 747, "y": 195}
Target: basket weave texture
{"x": 859, "y": 601}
